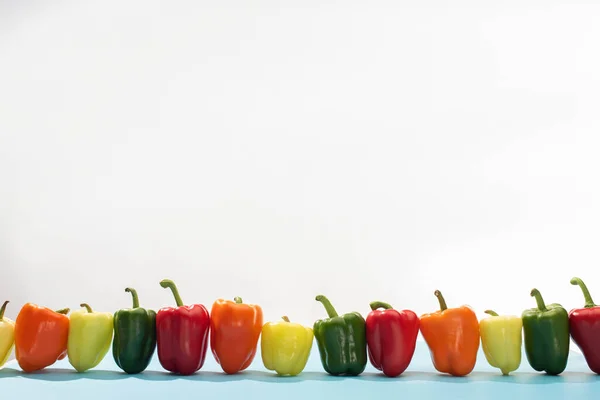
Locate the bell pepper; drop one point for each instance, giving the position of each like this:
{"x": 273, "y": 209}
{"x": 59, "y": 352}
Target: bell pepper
{"x": 546, "y": 334}
{"x": 181, "y": 334}
{"x": 90, "y": 336}
{"x": 134, "y": 341}
{"x": 7, "y": 335}
{"x": 584, "y": 324}
{"x": 391, "y": 338}
{"x": 41, "y": 337}
{"x": 235, "y": 329}
{"x": 501, "y": 340}
{"x": 341, "y": 340}
{"x": 452, "y": 335}
{"x": 285, "y": 346}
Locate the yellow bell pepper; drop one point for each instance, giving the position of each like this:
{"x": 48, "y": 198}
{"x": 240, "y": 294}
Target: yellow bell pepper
{"x": 501, "y": 341}
{"x": 285, "y": 346}
{"x": 7, "y": 336}
{"x": 90, "y": 337}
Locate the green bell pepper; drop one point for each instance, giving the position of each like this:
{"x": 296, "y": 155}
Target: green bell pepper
{"x": 341, "y": 341}
{"x": 135, "y": 337}
{"x": 546, "y": 334}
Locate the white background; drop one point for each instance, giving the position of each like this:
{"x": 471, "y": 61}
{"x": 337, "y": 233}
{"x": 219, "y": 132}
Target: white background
{"x": 366, "y": 150}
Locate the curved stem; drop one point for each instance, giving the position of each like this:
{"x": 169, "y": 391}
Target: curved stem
{"x": 539, "y": 300}
{"x": 285, "y": 318}
{"x": 238, "y": 300}
{"x": 586, "y": 294}
{"x": 491, "y": 312}
{"x": 2, "y": 309}
{"x": 87, "y": 307}
{"x": 63, "y": 311}
{"x": 327, "y": 304}
{"x": 134, "y": 295}
{"x": 443, "y": 305}
{"x": 167, "y": 283}
{"x": 379, "y": 304}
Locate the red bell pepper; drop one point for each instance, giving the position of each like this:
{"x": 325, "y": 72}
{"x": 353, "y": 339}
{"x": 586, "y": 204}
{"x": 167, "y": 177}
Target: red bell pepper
{"x": 391, "y": 338}
{"x": 584, "y": 324}
{"x": 181, "y": 334}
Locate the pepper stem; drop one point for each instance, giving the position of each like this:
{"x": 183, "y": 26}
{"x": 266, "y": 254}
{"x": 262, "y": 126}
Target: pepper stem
{"x": 63, "y": 311}
{"x": 491, "y": 312}
{"x": 379, "y": 304}
{"x": 586, "y": 294}
{"x": 238, "y": 300}
{"x": 539, "y": 300}
{"x": 87, "y": 307}
{"x": 285, "y": 318}
{"x": 2, "y": 309}
{"x": 167, "y": 283}
{"x": 443, "y": 305}
{"x": 134, "y": 295}
{"x": 327, "y": 304}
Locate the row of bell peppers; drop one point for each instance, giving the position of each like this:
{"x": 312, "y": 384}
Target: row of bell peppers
{"x": 387, "y": 337}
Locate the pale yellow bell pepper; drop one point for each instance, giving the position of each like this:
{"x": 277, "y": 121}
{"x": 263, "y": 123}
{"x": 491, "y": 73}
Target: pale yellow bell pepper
{"x": 501, "y": 340}
{"x": 90, "y": 337}
{"x": 286, "y": 346}
{"x": 7, "y": 336}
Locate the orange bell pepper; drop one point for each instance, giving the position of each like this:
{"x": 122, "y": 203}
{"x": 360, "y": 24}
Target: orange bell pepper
{"x": 41, "y": 337}
{"x": 452, "y": 335}
{"x": 235, "y": 329}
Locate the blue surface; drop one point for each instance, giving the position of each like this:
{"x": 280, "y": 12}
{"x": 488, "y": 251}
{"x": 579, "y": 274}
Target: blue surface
{"x": 419, "y": 381}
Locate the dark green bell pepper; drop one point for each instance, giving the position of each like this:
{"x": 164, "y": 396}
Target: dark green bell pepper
{"x": 546, "y": 334}
{"x": 135, "y": 337}
{"x": 342, "y": 341}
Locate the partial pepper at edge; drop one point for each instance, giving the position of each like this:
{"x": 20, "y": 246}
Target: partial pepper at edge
{"x": 90, "y": 336}
{"x": 134, "y": 341}
{"x": 285, "y": 346}
{"x": 502, "y": 341}
{"x": 391, "y": 338}
{"x": 41, "y": 336}
{"x": 546, "y": 334}
{"x": 7, "y": 335}
{"x": 181, "y": 334}
{"x": 584, "y": 325}
{"x": 452, "y": 335}
{"x": 341, "y": 340}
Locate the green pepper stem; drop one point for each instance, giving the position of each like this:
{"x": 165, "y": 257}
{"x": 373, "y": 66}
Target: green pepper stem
{"x": 539, "y": 300}
{"x": 63, "y": 311}
{"x": 87, "y": 307}
{"x": 586, "y": 294}
{"x": 443, "y": 305}
{"x": 167, "y": 283}
{"x": 134, "y": 295}
{"x": 327, "y": 304}
{"x": 285, "y": 318}
{"x": 2, "y": 309}
{"x": 379, "y": 304}
{"x": 491, "y": 312}
{"x": 238, "y": 300}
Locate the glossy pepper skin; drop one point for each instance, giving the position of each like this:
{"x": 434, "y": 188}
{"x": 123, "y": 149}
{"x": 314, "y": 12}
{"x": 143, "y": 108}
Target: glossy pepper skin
{"x": 235, "y": 329}
{"x": 285, "y": 346}
{"x": 584, "y": 325}
{"x": 342, "y": 341}
{"x": 391, "y": 338}
{"x": 90, "y": 335}
{"x": 181, "y": 334}
{"x": 7, "y": 335}
{"x": 134, "y": 341}
{"x": 452, "y": 335}
{"x": 40, "y": 337}
{"x": 546, "y": 334}
{"x": 501, "y": 339}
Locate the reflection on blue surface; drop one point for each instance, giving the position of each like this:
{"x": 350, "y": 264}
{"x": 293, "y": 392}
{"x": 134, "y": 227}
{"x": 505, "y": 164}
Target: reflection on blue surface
{"x": 419, "y": 381}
